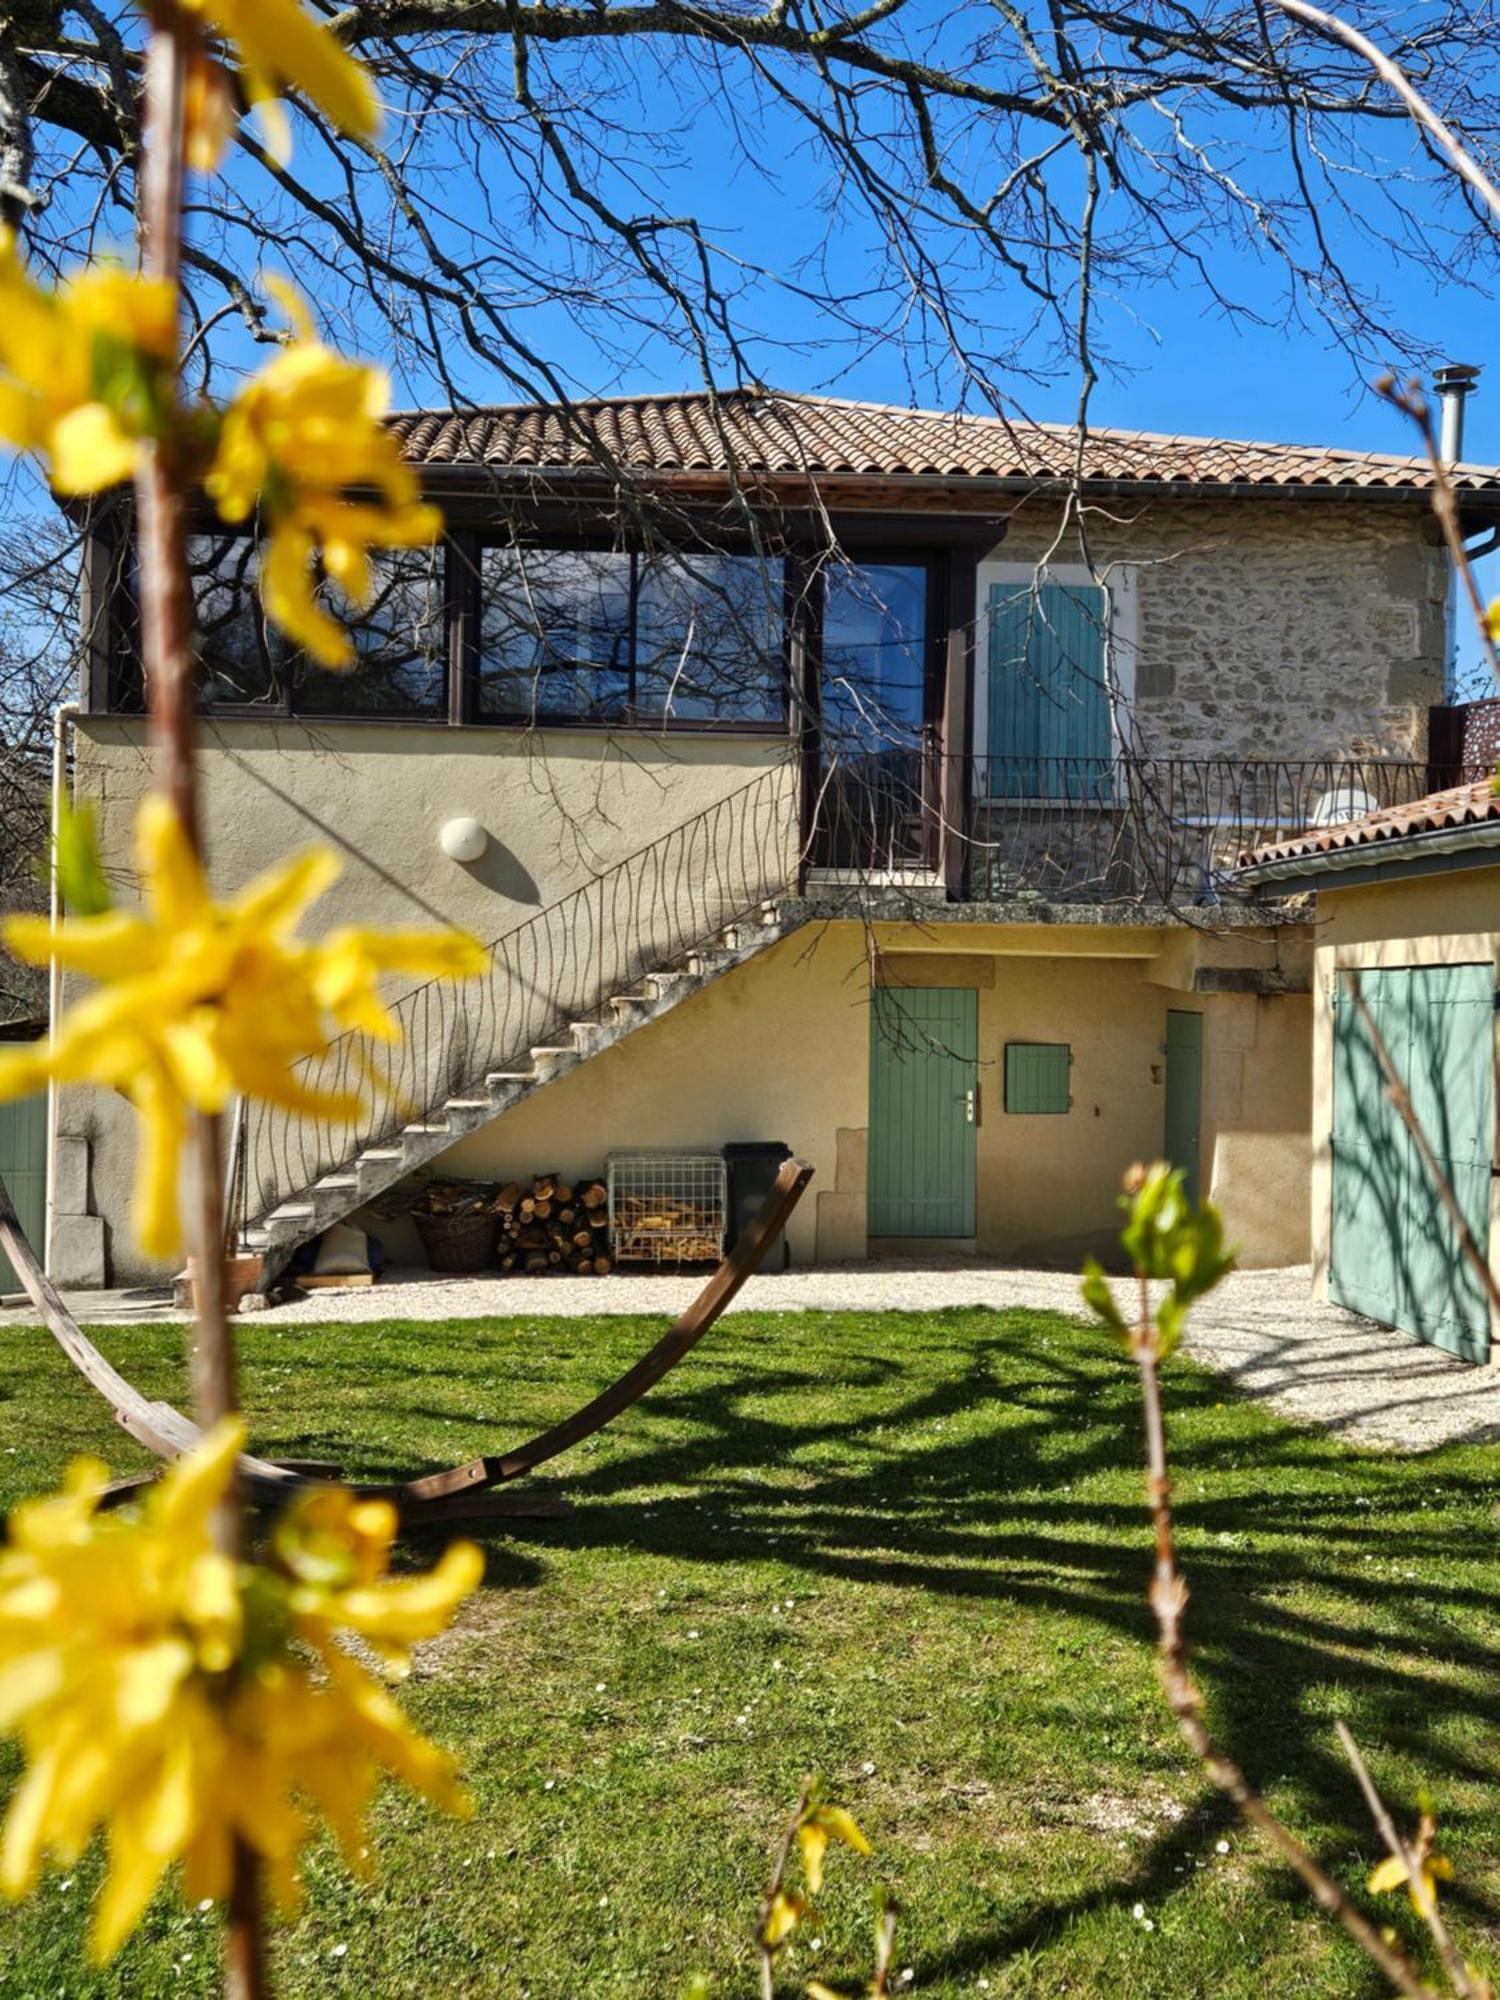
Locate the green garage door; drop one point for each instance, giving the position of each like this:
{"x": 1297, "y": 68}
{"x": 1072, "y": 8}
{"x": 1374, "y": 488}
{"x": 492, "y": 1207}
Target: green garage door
{"x": 1395, "y": 1252}
{"x": 23, "y": 1163}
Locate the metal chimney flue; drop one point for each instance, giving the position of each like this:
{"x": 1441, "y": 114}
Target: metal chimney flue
{"x": 1454, "y": 382}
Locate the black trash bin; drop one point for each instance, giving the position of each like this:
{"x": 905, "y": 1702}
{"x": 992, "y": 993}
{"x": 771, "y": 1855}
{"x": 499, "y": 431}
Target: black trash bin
{"x": 753, "y": 1165}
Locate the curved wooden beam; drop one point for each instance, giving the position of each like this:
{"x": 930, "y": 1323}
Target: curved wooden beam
{"x": 163, "y": 1429}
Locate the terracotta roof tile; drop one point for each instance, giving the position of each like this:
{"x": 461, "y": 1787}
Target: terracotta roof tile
{"x": 1472, "y": 804}
{"x": 766, "y": 433}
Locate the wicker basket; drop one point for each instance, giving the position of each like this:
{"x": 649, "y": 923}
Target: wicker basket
{"x": 458, "y": 1242}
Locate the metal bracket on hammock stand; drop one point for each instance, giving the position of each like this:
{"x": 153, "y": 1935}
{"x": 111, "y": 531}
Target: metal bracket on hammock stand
{"x": 462, "y": 1492}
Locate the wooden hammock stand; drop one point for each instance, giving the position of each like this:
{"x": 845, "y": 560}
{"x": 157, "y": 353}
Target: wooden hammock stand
{"x": 462, "y": 1492}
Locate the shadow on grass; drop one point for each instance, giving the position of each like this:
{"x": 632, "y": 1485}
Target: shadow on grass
{"x": 969, "y": 1455}
{"x": 1325, "y": 1579}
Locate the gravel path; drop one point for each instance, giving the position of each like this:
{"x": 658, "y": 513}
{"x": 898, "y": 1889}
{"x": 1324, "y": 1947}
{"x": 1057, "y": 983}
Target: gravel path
{"x": 1316, "y": 1363}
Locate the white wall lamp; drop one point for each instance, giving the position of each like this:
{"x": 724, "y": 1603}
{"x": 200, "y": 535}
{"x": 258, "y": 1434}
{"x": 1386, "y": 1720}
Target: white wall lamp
{"x": 463, "y": 839}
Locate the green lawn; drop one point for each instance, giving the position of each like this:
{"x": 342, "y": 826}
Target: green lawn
{"x": 906, "y": 1551}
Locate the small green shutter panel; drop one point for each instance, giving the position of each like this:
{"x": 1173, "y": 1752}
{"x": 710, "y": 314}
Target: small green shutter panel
{"x": 23, "y": 1163}
{"x": 1396, "y": 1254}
{"x": 1037, "y": 1076}
{"x": 1182, "y": 1137}
{"x": 1050, "y": 734}
{"x": 924, "y": 1051}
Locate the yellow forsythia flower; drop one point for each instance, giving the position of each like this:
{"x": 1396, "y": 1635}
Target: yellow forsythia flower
{"x": 786, "y": 1911}
{"x": 209, "y": 114}
{"x": 85, "y": 370}
{"x": 197, "y": 999}
{"x": 1430, "y": 1870}
{"x": 295, "y": 440}
{"x": 279, "y": 44}
{"x": 822, "y": 1824}
{"x": 180, "y": 1701}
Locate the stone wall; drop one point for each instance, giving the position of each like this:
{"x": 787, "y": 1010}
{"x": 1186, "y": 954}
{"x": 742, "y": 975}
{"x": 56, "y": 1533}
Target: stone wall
{"x": 1292, "y": 629}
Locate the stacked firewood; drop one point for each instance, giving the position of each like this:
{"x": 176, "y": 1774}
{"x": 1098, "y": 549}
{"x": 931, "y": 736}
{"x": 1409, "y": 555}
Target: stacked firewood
{"x": 550, "y": 1225}
{"x": 659, "y": 1228}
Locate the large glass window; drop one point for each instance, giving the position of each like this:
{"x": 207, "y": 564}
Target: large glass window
{"x": 873, "y": 714}
{"x": 874, "y": 682}
{"x": 599, "y": 636}
{"x": 400, "y": 641}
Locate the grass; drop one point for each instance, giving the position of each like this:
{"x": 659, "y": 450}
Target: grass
{"x": 907, "y": 1551}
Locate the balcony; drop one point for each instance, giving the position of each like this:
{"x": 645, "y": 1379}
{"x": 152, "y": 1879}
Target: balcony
{"x": 1127, "y": 830}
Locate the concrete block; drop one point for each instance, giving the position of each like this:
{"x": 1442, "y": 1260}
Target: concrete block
{"x": 71, "y": 1175}
{"x": 78, "y": 1251}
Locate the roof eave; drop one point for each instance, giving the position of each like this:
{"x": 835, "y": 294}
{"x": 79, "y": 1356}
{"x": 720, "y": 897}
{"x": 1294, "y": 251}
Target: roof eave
{"x": 1411, "y": 850}
{"x": 582, "y": 478}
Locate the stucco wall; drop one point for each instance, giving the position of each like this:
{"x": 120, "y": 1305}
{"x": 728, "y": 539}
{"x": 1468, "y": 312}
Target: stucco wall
{"x": 1451, "y": 919}
{"x": 1271, "y": 629}
{"x": 780, "y": 1049}
{"x": 559, "y": 807}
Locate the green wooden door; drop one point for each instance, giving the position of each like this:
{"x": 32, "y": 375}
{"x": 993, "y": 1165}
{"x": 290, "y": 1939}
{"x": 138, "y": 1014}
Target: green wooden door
{"x": 1050, "y": 726}
{"x": 1182, "y": 1139}
{"x": 924, "y": 1058}
{"x": 23, "y": 1163}
{"x": 1395, "y": 1250}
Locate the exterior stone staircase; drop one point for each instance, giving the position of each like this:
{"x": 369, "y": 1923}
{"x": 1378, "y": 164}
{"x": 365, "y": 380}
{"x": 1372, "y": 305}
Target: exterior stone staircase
{"x": 279, "y": 1234}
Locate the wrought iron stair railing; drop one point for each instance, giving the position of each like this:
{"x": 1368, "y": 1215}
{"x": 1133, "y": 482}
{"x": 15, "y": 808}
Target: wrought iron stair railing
{"x": 563, "y": 965}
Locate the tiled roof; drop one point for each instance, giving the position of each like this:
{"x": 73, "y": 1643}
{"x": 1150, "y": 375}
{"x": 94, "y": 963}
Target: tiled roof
{"x": 1468, "y": 805}
{"x": 765, "y": 433}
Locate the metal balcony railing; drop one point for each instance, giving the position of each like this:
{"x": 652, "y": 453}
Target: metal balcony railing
{"x": 1123, "y": 829}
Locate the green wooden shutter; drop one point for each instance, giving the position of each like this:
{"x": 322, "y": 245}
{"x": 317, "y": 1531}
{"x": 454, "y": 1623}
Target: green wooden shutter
{"x": 1036, "y": 1077}
{"x": 924, "y": 1051}
{"x": 1050, "y": 730}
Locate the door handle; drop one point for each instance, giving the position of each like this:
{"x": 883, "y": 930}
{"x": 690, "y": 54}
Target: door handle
{"x": 971, "y": 1105}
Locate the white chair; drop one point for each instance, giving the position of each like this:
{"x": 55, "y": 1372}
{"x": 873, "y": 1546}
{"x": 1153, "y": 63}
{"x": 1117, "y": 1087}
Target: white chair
{"x": 1343, "y": 803}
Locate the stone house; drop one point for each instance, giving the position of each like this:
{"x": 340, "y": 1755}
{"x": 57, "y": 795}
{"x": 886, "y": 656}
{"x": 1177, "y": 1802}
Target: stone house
{"x": 828, "y": 773}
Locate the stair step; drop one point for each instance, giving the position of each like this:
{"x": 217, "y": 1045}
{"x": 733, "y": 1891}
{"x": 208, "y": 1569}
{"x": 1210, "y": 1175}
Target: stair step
{"x": 292, "y": 1211}
{"x": 499, "y": 1078}
{"x": 336, "y": 1183}
{"x": 553, "y": 1061}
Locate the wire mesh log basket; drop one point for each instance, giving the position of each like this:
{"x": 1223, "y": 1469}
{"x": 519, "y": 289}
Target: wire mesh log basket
{"x": 667, "y": 1208}
{"x": 459, "y": 1242}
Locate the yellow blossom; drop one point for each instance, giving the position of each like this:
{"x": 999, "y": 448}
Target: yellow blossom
{"x": 181, "y": 1701}
{"x": 279, "y": 44}
{"x": 305, "y": 443}
{"x": 85, "y": 370}
{"x": 1492, "y": 618}
{"x": 1430, "y": 1869}
{"x": 209, "y": 114}
{"x": 198, "y": 1000}
{"x": 820, "y": 1825}
{"x": 785, "y": 1912}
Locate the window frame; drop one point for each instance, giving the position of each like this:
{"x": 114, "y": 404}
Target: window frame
{"x": 466, "y": 552}
{"x": 949, "y": 546}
